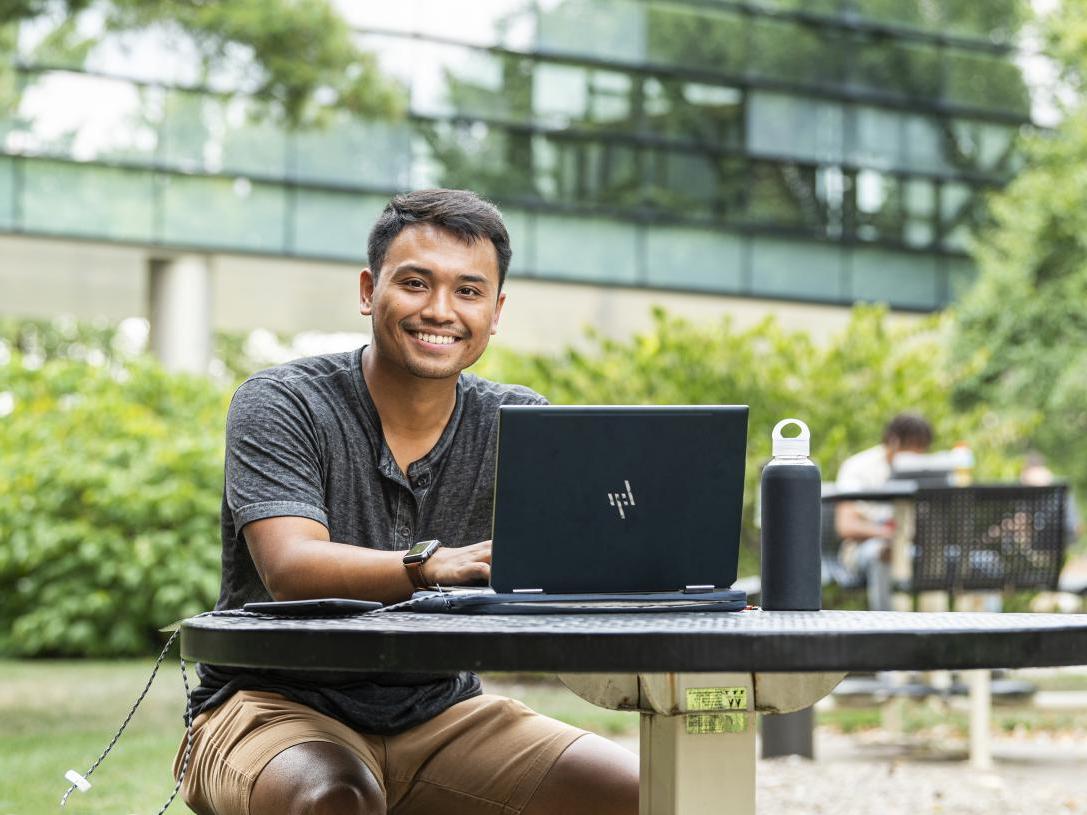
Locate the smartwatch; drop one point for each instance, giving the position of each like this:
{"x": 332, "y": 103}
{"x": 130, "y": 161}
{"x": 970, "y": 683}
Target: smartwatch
{"x": 416, "y": 556}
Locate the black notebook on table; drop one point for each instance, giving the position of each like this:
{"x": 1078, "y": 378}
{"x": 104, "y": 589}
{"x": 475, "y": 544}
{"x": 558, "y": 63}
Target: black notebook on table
{"x": 612, "y": 508}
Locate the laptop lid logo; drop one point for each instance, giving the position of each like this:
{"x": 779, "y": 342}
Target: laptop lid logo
{"x": 619, "y": 500}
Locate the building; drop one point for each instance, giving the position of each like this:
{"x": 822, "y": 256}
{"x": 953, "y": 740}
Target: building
{"x": 785, "y": 156}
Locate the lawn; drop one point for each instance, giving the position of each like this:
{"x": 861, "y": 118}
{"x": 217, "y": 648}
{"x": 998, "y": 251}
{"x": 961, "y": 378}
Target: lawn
{"x": 59, "y": 715}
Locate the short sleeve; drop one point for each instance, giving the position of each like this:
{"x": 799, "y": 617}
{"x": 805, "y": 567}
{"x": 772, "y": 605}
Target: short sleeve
{"x": 850, "y": 476}
{"x": 273, "y": 455}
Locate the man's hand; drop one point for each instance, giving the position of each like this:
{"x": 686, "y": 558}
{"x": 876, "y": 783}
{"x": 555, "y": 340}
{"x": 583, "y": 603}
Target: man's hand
{"x": 462, "y": 566}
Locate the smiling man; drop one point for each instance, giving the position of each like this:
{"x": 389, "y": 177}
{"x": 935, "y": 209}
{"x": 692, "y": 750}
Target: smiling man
{"x": 335, "y": 466}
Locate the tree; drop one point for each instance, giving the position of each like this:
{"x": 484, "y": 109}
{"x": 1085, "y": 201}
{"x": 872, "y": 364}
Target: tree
{"x": 299, "y": 54}
{"x": 1021, "y": 334}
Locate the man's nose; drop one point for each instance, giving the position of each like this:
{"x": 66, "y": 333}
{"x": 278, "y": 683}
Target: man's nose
{"x": 439, "y": 306}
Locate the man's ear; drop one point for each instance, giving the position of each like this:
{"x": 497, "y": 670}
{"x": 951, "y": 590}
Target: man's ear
{"x": 367, "y": 282}
{"x": 497, "y": 312}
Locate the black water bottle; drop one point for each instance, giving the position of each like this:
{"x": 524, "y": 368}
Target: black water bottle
{"x": 791, "y": 507}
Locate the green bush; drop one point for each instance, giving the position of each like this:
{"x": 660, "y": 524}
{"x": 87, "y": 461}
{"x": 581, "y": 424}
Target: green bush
{"x": 845, "y": 389}
{"x": 109, "y": 504}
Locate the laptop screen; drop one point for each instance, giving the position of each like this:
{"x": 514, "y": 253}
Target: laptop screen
{"x": 618, "y": 499}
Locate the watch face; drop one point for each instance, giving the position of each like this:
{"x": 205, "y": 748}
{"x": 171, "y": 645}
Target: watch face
{"x": 420, "y": 551}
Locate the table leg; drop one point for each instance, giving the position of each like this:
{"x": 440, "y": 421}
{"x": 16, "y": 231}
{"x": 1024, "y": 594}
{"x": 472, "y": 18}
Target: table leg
{"x": 901, "y": 559}
{"x": 700, "y": 762}
{"x": 981, "y": 753}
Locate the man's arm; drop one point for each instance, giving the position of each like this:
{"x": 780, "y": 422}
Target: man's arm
{"x": 296, "y": 561}
{"x": 851, "y": 524}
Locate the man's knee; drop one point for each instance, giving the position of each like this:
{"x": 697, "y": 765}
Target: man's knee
{"x": 594, "y": 776}
{"x": 316, "y": 778}
{"x": 338, "y": 797}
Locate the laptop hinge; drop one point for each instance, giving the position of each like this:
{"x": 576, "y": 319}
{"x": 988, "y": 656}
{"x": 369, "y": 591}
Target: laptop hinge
{"x": 698, "y": 589}
{"x": 528, "y": 591}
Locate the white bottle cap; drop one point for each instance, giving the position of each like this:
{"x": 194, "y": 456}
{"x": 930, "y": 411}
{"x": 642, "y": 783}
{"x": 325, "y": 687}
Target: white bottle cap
{"x": 795, "y": 446}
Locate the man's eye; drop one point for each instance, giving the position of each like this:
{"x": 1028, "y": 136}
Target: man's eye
{"x": 468, "y": 292}
{"x": 414, "y": 283}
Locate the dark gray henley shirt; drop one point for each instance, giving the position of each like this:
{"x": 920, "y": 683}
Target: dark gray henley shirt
{"x": 305, "y": 439}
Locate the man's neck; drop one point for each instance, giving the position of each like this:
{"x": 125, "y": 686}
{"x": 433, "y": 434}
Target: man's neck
{"x": 408, "y": 405}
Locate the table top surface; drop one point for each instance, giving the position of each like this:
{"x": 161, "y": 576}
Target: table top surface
{"x": 752, "y": 640}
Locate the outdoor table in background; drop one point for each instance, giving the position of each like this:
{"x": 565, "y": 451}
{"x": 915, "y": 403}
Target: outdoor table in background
{"x": 698, "y": 678}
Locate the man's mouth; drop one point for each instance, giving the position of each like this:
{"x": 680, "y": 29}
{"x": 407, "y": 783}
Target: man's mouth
{"x": 434, "y": 339}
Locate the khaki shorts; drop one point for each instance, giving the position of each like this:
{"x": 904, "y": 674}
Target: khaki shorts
{"x": 487, "y": 754}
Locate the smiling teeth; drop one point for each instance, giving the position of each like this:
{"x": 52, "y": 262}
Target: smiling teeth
{"x": 436, "y": 339}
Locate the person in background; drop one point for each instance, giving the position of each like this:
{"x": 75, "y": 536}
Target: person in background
{"x": 1036, "y": 473}
{"x": 866, "y": 527}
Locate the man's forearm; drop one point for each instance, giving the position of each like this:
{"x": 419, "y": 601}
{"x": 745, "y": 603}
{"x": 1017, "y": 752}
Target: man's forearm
{"x": 320, "y": 568}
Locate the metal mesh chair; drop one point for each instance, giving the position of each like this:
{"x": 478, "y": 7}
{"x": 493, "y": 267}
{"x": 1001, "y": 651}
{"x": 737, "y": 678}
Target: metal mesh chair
{"x": 988, "y": 538}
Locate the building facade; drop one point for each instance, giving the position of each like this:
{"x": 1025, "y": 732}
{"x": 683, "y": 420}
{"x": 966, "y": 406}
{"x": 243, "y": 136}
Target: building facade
{"x": 789, "y": 156}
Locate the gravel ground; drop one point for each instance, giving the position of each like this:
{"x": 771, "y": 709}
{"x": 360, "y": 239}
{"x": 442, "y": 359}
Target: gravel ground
{"x": 876, "y": 773}
{"x": 873, "y": 773}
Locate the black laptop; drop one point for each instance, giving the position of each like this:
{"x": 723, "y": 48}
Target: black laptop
{"x": 616, "y": 499}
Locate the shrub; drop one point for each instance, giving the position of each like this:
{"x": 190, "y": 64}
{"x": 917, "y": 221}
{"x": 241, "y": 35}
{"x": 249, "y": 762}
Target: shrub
{"x": 109, "y": 504}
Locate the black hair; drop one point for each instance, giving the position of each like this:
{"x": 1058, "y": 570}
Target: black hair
{"x": 461, "y": 212}
{"x": 910, "y": 429}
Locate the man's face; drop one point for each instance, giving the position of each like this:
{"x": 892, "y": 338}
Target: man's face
{"x": 435, "y": 303}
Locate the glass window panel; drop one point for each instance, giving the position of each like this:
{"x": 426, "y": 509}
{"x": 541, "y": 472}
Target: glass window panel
{"x": 601, "y": 29}
{"x": 87, "y": 200}
{"x": 985, "y": 81}
{"x": 519, "y": 226}
{"x": 982, "y": 146}
{"x": 904, "y": 68}
{"x": 560, "y": 94}
{"x": 904, "y": 279}
{"x": 889, "y": 208}
{"x": 709, "y": 114}
{"x": 355, "y": 151}
{"x": 86, "y": 118}
{"x": 449, "y": 79}
{"x": 609, "y": 97}
{"x": 251, "y": 143}
{"x": 993, "y": 20}
{"x": 7, "y": 192}
{"x": 696, "y": 38}
{"x": 786, "y": 195}
{"x": 796, "y": 269}
{"x": 476, "y": 156}
{"x": 788, "y": 126}
{"x": 820, "y": 6}
{"x": 192, "y": 131}
{"x": 787, "y": 50}
{"x": 510, "y": 23}
{"x": 879, "y": 136}
{"x": 924, "y": 143}
{"x": 688, "y": 183}
{"x": 223, "y": 212}
{"x": 334, "y": 224}
{"x": 961, "y": 212}
{"x": 911, "y": 13}
{"x": 590, "y": 171}
{"x": 586, "y": 248}
{"x": 961, "y": 275}
{"x": 686, "y": 258}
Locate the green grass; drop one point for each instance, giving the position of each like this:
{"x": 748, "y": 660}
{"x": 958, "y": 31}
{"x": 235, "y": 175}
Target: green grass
{"x": 59, "y": 715}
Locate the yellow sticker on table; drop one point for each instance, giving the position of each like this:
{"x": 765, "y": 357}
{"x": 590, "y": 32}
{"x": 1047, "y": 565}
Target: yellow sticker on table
{"x": 704, "y": 724}
{"x": 716, "y": 699}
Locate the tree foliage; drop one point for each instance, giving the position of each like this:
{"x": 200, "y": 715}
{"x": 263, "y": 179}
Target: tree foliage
{"x": 1020, "y": 339}
{"x": 299, "y": 54}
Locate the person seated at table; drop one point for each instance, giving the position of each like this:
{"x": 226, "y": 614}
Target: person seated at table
{"x": 335, "y": 466}
{"x": 866, "y": 527}
{"x": 1036, "y": 473}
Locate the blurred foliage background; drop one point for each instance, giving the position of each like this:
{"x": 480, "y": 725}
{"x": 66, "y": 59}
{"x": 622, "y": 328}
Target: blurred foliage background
{"x": 111, "y": 502}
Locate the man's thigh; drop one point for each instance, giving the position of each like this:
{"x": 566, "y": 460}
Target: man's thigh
{"x": 485, "y": 755}
{"x": 234, "y": 743}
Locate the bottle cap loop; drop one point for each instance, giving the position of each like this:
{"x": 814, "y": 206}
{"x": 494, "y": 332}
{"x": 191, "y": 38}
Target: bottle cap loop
{"x": 795, "y": 446}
